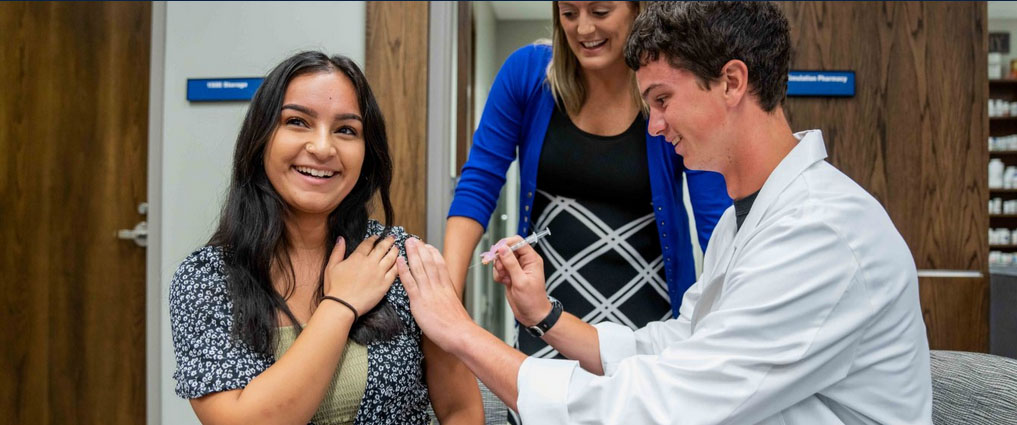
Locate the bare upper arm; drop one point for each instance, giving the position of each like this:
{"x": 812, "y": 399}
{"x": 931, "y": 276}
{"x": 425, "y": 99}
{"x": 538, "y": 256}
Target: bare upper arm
{"x": 452, "y": 387}
{"x": 217, "y": 407}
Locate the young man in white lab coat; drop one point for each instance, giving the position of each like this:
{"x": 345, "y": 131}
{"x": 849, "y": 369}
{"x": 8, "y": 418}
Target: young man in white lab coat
{"x": 807, "y": 309}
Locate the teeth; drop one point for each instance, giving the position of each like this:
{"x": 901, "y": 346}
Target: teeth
{"x": 593, "y": 44}
{"x": 314, "y": 172}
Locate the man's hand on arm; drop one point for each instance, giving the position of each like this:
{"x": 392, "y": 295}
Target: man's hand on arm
{"x": 435, "y": 305}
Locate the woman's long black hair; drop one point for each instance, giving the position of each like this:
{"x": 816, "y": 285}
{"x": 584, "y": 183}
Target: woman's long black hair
{"x": 251, "y": 230}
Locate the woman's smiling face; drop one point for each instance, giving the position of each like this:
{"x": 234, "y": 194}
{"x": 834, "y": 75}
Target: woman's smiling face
{"x": 596, "y": 30}
{"x": 316, "y": 152}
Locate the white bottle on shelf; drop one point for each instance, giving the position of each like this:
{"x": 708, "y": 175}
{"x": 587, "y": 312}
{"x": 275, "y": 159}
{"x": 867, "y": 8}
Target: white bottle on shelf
{"x": 996, "y": 173}
{"x": 995, "y": 66}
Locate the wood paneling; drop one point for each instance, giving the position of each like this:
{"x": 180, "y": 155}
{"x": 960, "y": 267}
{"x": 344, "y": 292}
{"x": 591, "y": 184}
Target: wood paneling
{"x": 396, "y": 67}
{"x": 73, "y": 142}
{"x": 465, "y": 83}
{"x": 915, "y": 133}
{"x": 956, "y": 313}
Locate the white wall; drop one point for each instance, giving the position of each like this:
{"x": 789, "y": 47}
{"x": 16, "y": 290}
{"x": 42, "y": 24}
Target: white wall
{"x": 1003, "y": 18}
{"x": 512, "y": 35}
{"x": 221, "y": 39}
{"x": 485, "y": 66}
{"x": 1006, "y": 25}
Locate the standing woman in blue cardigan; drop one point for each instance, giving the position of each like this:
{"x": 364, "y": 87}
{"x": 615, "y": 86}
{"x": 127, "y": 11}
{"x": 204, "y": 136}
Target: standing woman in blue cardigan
{"x": 620, "y": 248}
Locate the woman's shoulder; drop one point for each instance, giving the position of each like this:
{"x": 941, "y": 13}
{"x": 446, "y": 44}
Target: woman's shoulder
{"x": 204, "y": 261}
{"x": 531, "y": 59}
{"x": 201, "y": 275}
{"x": 396, "y": 294}
{"x": 537, "y": 52}
{"x": 375, "y": 228}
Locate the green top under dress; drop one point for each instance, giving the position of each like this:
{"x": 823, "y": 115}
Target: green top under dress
{"x": 342, "y": 400}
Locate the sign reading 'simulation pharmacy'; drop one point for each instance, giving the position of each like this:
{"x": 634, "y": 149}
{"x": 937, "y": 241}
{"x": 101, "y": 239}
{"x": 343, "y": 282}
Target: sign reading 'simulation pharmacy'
{"x": 821, "y": 83}
{"x": 221, "y": 89}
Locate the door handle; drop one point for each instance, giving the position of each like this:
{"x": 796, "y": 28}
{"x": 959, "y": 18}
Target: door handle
{"x": 139, "y": 234}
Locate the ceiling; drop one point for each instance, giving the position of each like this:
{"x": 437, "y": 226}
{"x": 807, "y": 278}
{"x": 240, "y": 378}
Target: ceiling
{"x": 527, "y": 10}
{"x": 539, "y": 10}
{"x": 1002, "y": 10}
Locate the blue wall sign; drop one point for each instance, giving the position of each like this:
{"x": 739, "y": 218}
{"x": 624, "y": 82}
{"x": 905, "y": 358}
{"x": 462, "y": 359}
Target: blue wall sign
{"x": 821, "y": 83}
{"x": 221, "y": 89}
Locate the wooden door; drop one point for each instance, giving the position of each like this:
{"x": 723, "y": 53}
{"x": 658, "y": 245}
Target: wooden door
{"x": 396, "y": 67}
{"x": 914, "y": 136}
{"x": 465, "y": 52}
{"x": 73, "y": 159}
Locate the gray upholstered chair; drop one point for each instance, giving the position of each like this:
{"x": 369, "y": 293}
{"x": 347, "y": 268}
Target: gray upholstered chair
{"x": 495, "y": 412}
{"x": 973, "y": 388}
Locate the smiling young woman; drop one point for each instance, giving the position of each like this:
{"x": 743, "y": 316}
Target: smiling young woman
{"x": 292, "y": 313}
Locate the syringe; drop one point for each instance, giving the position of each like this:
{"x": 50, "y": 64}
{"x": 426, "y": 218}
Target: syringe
{"x": 488, "y": 256}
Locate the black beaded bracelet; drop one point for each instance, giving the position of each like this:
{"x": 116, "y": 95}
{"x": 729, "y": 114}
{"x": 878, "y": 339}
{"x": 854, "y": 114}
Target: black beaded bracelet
{"x": 340, "y": 301}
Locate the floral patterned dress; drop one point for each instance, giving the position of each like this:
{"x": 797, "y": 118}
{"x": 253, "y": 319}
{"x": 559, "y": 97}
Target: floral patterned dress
{"x": 210, "y": 360}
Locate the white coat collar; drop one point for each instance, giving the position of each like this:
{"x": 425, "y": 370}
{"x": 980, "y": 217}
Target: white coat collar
{"x": 809, "y": 150}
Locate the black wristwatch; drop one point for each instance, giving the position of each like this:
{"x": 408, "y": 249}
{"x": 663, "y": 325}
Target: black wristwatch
{"x": 543, "y": 326}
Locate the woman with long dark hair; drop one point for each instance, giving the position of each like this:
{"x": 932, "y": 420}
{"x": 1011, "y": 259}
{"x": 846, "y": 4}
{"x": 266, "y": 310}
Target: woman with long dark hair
{"x": 292, "y": 313}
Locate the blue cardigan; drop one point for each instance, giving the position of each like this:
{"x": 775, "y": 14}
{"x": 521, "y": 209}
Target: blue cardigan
{"x": 516, "y": 116}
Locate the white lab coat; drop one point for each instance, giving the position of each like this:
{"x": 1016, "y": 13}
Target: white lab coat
{"x": 816, "y": 321}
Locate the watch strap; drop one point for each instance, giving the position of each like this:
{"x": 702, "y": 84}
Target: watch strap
{"x": 538, "y": 330}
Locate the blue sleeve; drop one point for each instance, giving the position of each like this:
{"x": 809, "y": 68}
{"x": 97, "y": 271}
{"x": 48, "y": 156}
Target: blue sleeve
{"x": 496, "y": 141}
{"x": 708, "y": 196}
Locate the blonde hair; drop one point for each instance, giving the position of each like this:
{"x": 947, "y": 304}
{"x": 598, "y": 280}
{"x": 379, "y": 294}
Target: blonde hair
{"x": 564, "y": 74}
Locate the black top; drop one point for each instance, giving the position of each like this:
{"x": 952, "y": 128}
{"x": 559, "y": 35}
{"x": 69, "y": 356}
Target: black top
{"x": 210, "y": 359}
{"x": 742, "y": 208}
{"x": 603, "y": 258}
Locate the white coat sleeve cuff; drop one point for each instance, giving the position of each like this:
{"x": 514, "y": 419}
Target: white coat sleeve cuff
{"x": 543, "y": 386}
{"x": 617, "y": 342}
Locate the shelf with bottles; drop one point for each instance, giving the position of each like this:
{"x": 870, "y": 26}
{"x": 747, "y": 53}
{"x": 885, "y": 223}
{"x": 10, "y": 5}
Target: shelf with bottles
{"x": 1002, "y": 246}
{"x": 1002, "y": 258}
{"x": 1002, "y": 168}
{"x": 1003, "y": 145}
{"x": 1002, "y": 100}
{"x": 1002, "y": 176}
{"x": 1001, "y": 109}
{"x": 998, "y": 257}
{"x": 1002, "y": 207}
{"x": 1003, "y": 163}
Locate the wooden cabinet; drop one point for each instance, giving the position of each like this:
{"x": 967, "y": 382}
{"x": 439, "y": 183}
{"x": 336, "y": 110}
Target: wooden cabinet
{"x": 956, "y": 312}
{"x": 914, "y": 135}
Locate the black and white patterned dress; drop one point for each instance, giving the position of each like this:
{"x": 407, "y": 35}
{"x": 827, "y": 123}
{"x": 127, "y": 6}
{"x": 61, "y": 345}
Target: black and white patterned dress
{"x": 603, "y": 258}
{"x": 210, "y": 360}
